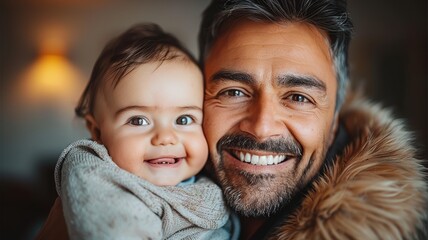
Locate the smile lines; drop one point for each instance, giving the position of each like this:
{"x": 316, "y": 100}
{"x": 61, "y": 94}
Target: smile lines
{"x": 261, "y": 160}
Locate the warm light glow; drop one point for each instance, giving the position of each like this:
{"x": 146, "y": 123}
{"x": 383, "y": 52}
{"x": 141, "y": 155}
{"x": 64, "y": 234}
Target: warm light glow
{"x": 51, "y": 78}
{"x": 52, "y": 37}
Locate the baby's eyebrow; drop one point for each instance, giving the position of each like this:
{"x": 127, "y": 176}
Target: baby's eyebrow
{"x": 140, "y": 108}
{"x": 191, "y": 108}
{"x": 128, "y": 108}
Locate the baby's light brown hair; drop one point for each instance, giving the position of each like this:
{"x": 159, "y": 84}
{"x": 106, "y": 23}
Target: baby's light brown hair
{"x": 140, "y": 44}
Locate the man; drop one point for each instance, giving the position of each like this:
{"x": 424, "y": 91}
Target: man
{"x": 294, "y": 158}
{"x": 292, "y": 162}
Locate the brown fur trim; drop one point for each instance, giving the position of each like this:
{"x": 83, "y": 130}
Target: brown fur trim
{"x": 374, "y": 190}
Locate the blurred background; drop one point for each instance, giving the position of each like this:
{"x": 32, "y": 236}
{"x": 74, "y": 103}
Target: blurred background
{"x": 48, "y": 48}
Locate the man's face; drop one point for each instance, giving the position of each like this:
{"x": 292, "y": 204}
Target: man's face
{"x": 269, "y": 111}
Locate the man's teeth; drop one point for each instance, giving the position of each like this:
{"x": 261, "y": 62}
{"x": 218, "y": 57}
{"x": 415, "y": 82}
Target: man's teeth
{"x": 261, "y": 160}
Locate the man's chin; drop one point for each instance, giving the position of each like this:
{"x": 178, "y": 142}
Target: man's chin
{"x": 253, "y": 195}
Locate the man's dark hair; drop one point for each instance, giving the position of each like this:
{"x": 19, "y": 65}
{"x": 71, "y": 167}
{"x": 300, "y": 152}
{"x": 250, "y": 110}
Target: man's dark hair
{"x": 328, "y": 15}
{"x": 140, "y": 44}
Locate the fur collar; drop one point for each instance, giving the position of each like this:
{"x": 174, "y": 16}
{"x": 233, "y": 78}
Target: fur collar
{"x": 374, "y": 190}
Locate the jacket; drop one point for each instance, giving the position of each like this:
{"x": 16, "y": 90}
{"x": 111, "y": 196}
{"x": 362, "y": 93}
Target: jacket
{"x": 375, "y": 189}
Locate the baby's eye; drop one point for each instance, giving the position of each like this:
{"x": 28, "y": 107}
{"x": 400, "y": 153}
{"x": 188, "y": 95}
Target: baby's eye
{"x": 184, "y": 120}
{"x": 138, "y": 121}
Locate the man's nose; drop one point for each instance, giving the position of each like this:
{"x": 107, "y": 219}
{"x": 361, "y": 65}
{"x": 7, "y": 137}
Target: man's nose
{"x": 264, "y": 119}
{"x": 164, "y": 135}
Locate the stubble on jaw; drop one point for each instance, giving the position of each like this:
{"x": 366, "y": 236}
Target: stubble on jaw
{"x": 254, "y": 195}
{"x": 264, "y": 194}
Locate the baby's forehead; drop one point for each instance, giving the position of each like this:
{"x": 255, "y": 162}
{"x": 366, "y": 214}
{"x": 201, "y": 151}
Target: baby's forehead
{"x": 114, "y": 76}
{"x": 174, "y": 81}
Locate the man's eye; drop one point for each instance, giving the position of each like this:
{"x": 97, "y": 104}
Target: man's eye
{"x": 299, "y": 101}
{"x": 299, "y": 98}
{"x": 138, "y": 121}
{"x": 233, "y": 93}
{"x": 184, "y": 120}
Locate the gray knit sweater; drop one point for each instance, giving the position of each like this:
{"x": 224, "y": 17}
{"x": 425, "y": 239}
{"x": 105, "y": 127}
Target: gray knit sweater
{"x": 102, "y": 201}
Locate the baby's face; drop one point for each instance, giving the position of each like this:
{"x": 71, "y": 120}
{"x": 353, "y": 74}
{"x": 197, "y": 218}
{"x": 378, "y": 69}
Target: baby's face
{"x": 151, "y": 122}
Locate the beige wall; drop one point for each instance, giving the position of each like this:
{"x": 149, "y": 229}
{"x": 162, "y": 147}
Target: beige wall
{"x": 33, "y": 133}
{"x": 388, "y": 56}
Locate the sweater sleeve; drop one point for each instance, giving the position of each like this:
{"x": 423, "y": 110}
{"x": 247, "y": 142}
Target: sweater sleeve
{"x": 97, "y": 203}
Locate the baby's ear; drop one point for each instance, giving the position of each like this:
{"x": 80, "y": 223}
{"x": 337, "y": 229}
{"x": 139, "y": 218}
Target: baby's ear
{"x": 92, "y": 126}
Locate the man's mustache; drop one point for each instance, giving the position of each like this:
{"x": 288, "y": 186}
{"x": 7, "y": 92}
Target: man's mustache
{"x": 276, "y": 145}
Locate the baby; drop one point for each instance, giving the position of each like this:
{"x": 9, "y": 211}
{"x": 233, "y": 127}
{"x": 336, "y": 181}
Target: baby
{"x": 137, "y": 177}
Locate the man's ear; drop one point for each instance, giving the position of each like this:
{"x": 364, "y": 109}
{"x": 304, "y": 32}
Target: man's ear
{"x": 92, "y": 126}
{"x": 334, "y": 128}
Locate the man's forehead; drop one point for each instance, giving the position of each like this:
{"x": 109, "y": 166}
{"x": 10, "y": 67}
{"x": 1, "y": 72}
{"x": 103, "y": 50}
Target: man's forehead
{"x": 257, "y": 48}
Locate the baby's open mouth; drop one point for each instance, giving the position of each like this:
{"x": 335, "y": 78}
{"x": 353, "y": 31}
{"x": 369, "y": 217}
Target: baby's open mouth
{"x": 164, "y": 160}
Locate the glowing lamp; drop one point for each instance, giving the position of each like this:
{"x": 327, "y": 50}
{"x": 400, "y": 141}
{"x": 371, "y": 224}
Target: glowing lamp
{"x": 51, "y": 78}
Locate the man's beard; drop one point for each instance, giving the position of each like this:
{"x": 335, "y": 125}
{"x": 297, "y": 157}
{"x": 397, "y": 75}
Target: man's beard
{"x": 263, "y": 194}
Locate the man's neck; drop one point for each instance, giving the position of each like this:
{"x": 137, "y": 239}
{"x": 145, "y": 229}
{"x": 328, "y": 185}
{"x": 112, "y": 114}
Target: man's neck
{"x": 249, "y": 226}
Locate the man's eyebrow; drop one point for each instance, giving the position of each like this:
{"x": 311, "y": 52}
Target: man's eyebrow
{"x": 290, "y": 80}
{"x": 229, "y": 75}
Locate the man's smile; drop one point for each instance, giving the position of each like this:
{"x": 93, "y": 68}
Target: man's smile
{"x": 259, "y": 159}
